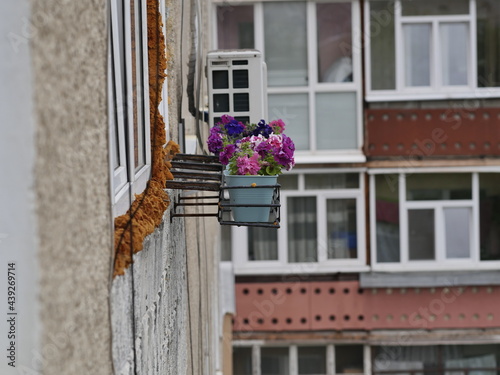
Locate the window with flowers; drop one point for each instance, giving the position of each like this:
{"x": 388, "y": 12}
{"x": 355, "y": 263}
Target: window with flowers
{"x": 313, "y": 69}
{"x": 321, "y": 230}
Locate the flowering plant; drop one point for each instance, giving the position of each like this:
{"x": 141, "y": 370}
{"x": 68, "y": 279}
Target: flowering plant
{"x": 252, "y": 149}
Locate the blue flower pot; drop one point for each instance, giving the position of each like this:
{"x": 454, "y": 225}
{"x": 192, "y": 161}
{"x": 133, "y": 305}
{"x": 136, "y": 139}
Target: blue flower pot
{"x": 250, "y": 195}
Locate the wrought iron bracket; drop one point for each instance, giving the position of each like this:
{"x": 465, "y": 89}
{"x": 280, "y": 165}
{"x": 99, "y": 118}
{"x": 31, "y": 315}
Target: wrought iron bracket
{"x": 204, "y": 173}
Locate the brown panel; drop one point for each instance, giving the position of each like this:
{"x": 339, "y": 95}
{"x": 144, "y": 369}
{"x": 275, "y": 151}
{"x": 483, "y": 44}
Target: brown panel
{"x": 342, "y": 305}
{"x": 426, "y": 133}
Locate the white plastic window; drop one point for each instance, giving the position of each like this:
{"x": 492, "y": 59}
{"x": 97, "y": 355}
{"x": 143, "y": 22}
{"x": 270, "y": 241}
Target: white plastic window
{"x": 128, "y": 102}
{"x": 424, "y": 221}
{"x": 431, "y": 49}
{"x": 321, "y": 229}
{"x": 313, "y": 67}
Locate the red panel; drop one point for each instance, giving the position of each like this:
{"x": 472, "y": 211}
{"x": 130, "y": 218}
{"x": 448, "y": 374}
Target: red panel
{"x": 344, "y": 306}
{"x": 421, "y": 133}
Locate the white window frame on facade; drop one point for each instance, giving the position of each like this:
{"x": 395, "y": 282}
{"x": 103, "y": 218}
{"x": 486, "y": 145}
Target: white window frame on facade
{"x": 441, "y": 263}
{"x": 436, "y": 90}
{"x": 313, "y": 155}
{"x": 239, "y": 235}
{"x": 126, "y": 179}
{"x": 163, "y": 106}
{"x": 256, "y": 346}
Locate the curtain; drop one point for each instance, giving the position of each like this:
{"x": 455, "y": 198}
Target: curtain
{"x": 262, "y": 244}
{"x": 302, "y": 232}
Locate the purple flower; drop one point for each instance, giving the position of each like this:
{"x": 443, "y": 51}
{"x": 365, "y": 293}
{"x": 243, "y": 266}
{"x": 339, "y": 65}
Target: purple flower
{"x": 263, "y": 148}
{"x": 284, "y": 156}
{"x": 227, "y": 153}
{"x": 234, "y": 128}
{"x": 226, "y": 119}
{"x": 263, "y": 128}
{"x": 214, "y": 141}
{"x": 248, "y": 165}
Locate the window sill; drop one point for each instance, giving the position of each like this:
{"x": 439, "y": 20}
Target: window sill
{"x": 268, "y": 268}
{"x": 394, "y": 96}
{"x": 331, "y": 157}
{"x": 424, "y": 279}
{"x": 464, "y": 266}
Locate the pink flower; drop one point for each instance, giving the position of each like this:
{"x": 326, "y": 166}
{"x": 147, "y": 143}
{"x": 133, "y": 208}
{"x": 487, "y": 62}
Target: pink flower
{"x": 248, "y": 165}
{"x": 278, "y": 126}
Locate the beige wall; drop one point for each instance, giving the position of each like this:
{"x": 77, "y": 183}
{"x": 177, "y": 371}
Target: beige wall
{"x": 69, "y": 49}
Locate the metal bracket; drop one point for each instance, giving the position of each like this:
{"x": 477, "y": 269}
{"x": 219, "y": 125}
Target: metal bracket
{"x": 204, "y": 173}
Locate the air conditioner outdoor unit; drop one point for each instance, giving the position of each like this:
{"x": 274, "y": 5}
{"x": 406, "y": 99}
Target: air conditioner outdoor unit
{"x": 237, "y": 85}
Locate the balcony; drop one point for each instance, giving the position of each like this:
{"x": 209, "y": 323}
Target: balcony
{"x": 432, "y": 133}
{"x": 343, "y": 305}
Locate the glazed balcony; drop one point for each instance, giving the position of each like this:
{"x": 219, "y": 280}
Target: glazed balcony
{"x": 343, "y": 305}
{"x": 431, "y": 133}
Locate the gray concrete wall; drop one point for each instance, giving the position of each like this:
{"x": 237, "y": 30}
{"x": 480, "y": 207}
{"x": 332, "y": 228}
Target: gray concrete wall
{"x": 164, "y": 309}
{"x": 17, "y": 190}
{"x": 152, "y": 300}
{"x": 69, "y": 48}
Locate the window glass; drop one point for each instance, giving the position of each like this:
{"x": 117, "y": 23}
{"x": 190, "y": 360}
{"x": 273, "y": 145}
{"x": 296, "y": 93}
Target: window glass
{"x": 457, "y": 221}
{"x": 332, "y": 181}
{"x": 382, "y": 44}
{"x": 225, "y": 252}
{"x": 409, "y": 359}
{"x": 235, "y": 27}
{"x": 137, "y": 85}
{"x": 488, "y": 43}
{"x": 341, "y": 228}
{"x": 289, "y": 181}
{"x": 302, "y": 232}
{"x": 312, "y": 360}
{"x": 242, "y": 361}
{"x": 435, "y": 186}
{"x": 115, "y": 139}
{"x": 285, "y": 43}
{"x": 387, "y": 217}
{"x": 421, "y": 234}
{"x": 455, "y": 50}
{"x": 434, "y": 7}
{"x": 489, "y": 215}
{"x": 336, "y": 121}
{"x": 417, "y": 48}
{"x": 262, "y": 243}
{"x": 429, "y": 359}
{"x": 472, "y": 356}
{"x": 293, "y": 109}
{"x": 349, "y": 359}
{"x": 274, "y": 361}
{"x": 334, "y": 42}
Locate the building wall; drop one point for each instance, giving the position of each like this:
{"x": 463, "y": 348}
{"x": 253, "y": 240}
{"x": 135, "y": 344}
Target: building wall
{"x": 167, "y": 300}
{"x": 151, "y": 298}
{"x": 69, "y": 46}
{"x": 17, "y": 199}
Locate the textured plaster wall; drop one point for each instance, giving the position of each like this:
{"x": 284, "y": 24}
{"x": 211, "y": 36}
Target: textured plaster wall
{"x": 69, "y": 45}
{"x": 151, "y": 299}
{"x": 164, "y": 308}
{"x": 17, "y": 204}
{"x": 173, "y": 22}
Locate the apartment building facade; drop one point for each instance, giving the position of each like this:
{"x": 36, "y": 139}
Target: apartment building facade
{"x": 387, "y": 260}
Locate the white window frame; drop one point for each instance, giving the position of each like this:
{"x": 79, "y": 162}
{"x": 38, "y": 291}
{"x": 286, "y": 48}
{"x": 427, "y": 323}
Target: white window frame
{"x": 436, "y": 90}
{"x": 441, "y": 263}
{"x": 127, "y": 180}
{"x": 293, "y": 356}
{"x": 312, "y": 155}
{"x": 239, "y": 235}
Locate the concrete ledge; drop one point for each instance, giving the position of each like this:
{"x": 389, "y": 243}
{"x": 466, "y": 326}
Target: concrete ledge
{"x": 428, "y": 279}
